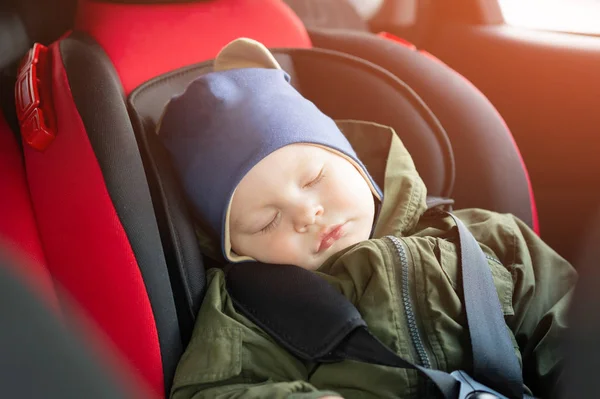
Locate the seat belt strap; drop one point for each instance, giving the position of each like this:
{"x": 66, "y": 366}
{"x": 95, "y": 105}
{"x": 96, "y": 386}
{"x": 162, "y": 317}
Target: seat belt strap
{"x": 494, "y": 361}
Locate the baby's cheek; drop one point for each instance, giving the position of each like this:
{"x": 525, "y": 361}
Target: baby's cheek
{"x": 279, "y": 250}
{"x": 351, "y": 202}
{"x": 348, "y": 195}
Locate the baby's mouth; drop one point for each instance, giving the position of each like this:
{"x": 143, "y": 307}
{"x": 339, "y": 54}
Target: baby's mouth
{"x": 329, "y": 236}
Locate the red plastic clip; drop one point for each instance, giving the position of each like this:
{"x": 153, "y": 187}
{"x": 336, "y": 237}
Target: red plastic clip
{"x": 399, "y": 40}
{"x": 32, "y": 97}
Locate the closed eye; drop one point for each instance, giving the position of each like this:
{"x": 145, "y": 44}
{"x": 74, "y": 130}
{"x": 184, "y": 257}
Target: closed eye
{"x": 272, "y": 224}
{"x": 316, "y": 180}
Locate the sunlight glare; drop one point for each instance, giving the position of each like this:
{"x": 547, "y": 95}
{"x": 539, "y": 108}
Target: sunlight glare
{"x": 578, "y": 16}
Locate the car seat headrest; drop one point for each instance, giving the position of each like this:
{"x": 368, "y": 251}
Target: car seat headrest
{"x": 342, "y": 86}
{"x": 147, "y": 40}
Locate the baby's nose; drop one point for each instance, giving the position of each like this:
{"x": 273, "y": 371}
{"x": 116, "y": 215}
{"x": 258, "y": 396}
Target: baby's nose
{"x": 307, "y": 216}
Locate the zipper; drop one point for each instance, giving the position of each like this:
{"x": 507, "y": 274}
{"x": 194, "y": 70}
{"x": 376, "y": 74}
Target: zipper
{"x": 408, "y": 306}
{"x": 493, "y": 260}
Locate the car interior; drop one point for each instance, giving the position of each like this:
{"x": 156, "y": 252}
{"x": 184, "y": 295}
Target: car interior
{"x": 496, "y": 117}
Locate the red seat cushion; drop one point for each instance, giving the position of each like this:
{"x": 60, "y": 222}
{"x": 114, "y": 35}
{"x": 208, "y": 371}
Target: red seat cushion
{"x": 144, "y": 41}
{"x": 87, "y": 249}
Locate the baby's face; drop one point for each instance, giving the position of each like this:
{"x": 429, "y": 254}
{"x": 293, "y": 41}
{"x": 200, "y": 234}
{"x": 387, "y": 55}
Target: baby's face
{"x": 298, "y": 206}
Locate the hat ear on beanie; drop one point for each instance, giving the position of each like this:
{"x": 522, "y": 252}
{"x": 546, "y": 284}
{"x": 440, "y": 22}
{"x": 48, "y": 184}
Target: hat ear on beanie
{"x": 238, "y": 54}
{"x": 244, "y": 53}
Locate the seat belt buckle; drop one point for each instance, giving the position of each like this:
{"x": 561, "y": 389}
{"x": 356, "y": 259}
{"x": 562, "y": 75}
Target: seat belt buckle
{"x": 471, "y": 389}
{"x": 33, "y": 98}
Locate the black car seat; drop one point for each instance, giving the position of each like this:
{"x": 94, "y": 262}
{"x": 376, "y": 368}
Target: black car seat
{"x": 91, "y": 200}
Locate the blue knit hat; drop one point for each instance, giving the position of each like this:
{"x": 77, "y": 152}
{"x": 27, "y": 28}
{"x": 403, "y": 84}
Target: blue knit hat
{"x": 226, "y": 122}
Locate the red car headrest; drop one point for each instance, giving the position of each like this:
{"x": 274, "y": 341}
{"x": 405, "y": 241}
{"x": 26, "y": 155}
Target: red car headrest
{"x": 147, "y": 40}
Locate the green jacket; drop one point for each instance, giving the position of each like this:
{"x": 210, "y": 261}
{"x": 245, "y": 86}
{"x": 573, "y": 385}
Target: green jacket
{"x": 408, "y": 270}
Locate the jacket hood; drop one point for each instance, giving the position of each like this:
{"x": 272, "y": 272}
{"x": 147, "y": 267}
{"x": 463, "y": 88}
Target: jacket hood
{"x": 391, "y": 166}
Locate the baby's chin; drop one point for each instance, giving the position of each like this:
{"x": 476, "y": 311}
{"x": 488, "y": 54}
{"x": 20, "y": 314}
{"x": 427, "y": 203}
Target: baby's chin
{"x": 338, "y": 246}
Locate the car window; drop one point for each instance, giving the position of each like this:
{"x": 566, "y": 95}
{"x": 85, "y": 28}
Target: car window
{"x": 576, "y": 16}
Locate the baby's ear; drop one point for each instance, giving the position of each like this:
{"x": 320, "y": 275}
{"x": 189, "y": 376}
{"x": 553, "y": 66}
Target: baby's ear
{"x": 244, "y": 53}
